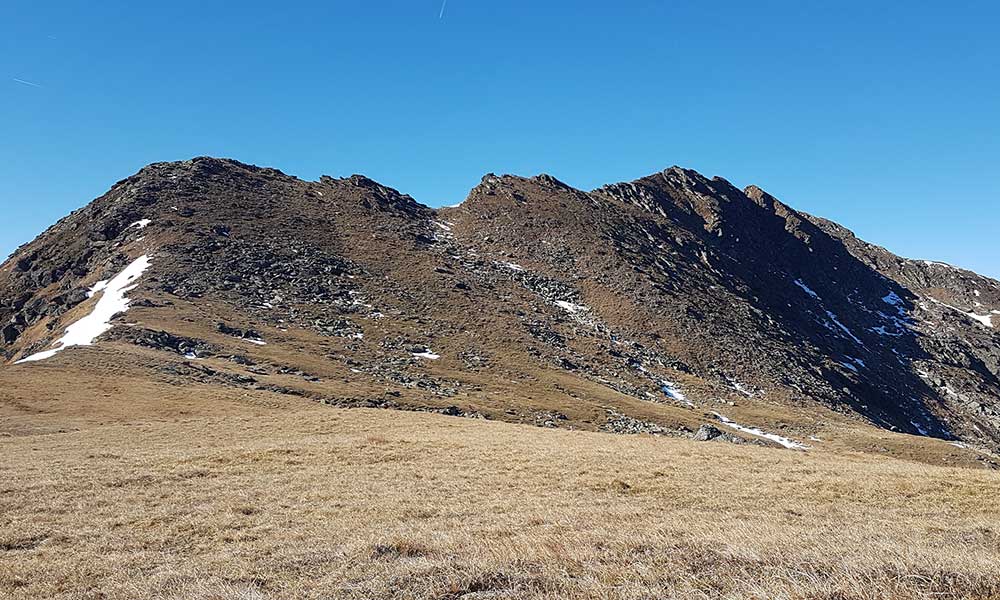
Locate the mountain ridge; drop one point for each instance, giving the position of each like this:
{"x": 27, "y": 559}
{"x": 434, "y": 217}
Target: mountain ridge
{"x": 671, "y": 290}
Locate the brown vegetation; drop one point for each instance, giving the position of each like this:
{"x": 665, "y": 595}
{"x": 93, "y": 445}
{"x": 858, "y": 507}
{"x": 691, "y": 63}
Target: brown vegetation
{"x": 257, "y": 496}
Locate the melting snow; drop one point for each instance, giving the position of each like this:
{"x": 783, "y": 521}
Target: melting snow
{"x": 570, "y": 307}
{"x": 986, "y": 320}
{"x": 100, "y": 285}
{"x": 806, "y": 288}
{"x": 843, "y": 327}
{"x": 881, "y": 330}
{"x": 511, "y": 266}
{"x": 787, "y": 443}
{"x": 255, "y": 341}
{"x": 934, "y": 263}
{"x": 893, "y": 300}
{"x": 444, "y": 226}
{"x": 672, "y": 391}
{"x": 113, "y": 301}
{"x": 426, "y": 354}
{"x": 854, "y": 361}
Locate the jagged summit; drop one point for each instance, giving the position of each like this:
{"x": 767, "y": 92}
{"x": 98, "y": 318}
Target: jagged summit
{"x": 656, "y": 305}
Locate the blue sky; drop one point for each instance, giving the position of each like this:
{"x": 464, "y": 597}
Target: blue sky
{"x": 884, "y": 116}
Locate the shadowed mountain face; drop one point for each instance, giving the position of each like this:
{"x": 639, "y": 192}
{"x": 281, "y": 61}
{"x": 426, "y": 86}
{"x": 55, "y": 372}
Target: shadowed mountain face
{"x": 642, "y": 306}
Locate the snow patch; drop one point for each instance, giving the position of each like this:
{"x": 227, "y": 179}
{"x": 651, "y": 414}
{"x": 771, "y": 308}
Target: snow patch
{"x": 141, "y": 223}
{"x": 674, "y": 392}
{"x": 895, "y": 301}
{"x": 881, "y": 330}
{"x": 787, "y": 443}
{"x": 986, "y": 320}
{"x": 426, "y": 354}
{"x": 570, "y": 307}
{"x": 844, "y": 328}
{"x": 806, "y": 289}
{"x": 935, "y": 263}
{"x": 854, "y": 363}
{"x": 112, "y": 301}
{"x": 99, "y": 286}
{"x": 739, "y": 387}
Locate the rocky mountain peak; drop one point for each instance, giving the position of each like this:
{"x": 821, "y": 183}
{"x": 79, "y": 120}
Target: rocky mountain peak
{"x": 654, "y": 301}
{"x": 550, "y": 181}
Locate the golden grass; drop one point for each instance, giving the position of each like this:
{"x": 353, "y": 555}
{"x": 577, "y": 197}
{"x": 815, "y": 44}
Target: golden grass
{"x": 318, "y": 502}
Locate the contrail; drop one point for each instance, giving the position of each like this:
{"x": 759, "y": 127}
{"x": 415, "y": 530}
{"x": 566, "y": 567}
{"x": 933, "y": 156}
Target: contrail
{"x": 32, "y": 84}
{"x": 443, "y": 4}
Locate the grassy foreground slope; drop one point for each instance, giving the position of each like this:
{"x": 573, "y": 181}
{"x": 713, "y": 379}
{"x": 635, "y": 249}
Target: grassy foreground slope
{"x": 199, "y": 494}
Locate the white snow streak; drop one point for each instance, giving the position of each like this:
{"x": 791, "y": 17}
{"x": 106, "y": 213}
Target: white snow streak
{"x": 511, "y": 266}
{"x": 112, "y": 301}
{"x": 986, "y": 320}
{"x": 787, "y": 443}
{"x": 893, "y": 300}
{"x": 672, "y": 391}
{"x": 806, "y": 288}
{"x": 844, "y": 328}
{"x": 570, "y": 307}
{"x": 881, "y": 330}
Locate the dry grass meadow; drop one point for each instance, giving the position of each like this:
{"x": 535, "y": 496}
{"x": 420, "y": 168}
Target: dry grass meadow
{"x": 260, "y": 497}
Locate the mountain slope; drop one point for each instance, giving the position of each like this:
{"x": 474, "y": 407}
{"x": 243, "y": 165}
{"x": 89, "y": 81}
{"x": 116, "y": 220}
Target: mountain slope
{"x": 658, "y": 305}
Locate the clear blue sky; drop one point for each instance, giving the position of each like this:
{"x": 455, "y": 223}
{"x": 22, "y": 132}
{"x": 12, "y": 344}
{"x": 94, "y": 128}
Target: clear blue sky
{"x": 884, "y": 116}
